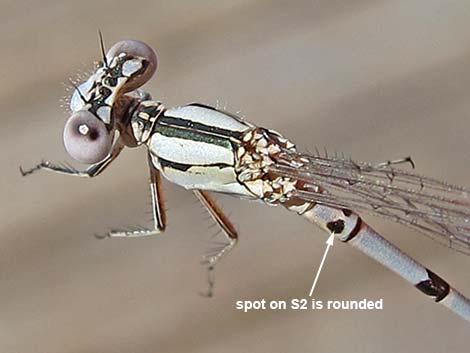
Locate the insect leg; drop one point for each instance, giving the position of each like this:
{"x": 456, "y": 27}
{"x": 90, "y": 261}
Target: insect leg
{"x": 223, "y": 222}
{"x": 90, "y": 172}
{"x": 227, "y": 229}
{"x": 158, "y": 210}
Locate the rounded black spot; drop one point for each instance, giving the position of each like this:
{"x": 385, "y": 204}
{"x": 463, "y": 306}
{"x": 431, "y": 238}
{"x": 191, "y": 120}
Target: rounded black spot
{"x": 336, "y": 227}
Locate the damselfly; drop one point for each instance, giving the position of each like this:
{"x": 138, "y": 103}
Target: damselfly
{"x": 205, "y": 149}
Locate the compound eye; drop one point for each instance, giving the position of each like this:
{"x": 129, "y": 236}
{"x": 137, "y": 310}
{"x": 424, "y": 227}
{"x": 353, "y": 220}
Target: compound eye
{"x": 136, "y": 49}
{"x": 86, "y": 138}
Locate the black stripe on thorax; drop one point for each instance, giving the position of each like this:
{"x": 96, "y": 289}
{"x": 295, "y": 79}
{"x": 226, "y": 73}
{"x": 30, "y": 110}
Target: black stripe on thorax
{"x": 192, "y": 125}
{"x": 193, "y": 135}
{"x": 184, "y": 167}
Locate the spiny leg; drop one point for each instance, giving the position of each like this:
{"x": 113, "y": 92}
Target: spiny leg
{"x": 158, "y": 211}
{"x": 90, "y": 172}
{"x": 227, "y": 229}
{"x": 223, "y": 222}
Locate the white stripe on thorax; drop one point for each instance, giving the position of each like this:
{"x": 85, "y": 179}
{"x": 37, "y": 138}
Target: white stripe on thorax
{"x": 188, "y": 151}
{"x": 207, "y": 116}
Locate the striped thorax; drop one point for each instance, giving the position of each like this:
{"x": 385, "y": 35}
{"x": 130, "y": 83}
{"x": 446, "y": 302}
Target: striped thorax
{"x": 143, "y": 120}
{"x": 195, "y": 146}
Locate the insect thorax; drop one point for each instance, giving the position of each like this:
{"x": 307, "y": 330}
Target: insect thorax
{"x": 143, "y": 119}
{"x": 194, "y": 146}
{"x": 258, "y": 154}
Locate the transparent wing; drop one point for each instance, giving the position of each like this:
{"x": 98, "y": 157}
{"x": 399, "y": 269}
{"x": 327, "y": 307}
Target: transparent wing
{"x": 433, "y": 207}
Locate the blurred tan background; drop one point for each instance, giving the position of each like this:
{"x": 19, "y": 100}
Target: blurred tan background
{"x": 375, "y": 79}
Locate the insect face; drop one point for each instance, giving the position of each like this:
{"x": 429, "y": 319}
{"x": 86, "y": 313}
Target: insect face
{"x": 100, "y": 104}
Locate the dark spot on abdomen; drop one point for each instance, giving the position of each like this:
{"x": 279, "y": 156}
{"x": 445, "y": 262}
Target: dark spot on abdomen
{"x": 336, "y": 227}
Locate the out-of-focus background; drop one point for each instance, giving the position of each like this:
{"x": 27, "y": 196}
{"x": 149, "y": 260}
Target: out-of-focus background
{"x": 375, "y": 79}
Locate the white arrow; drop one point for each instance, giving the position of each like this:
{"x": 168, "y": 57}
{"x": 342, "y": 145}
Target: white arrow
{"x": 329, "y": 243}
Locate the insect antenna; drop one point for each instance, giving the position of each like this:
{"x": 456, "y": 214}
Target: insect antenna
{"x": 103, "y": 50}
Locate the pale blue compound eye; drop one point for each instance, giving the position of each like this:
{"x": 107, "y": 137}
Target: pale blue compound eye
{"x": 86, "y": 138}
{"x": 138, "y": 54}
